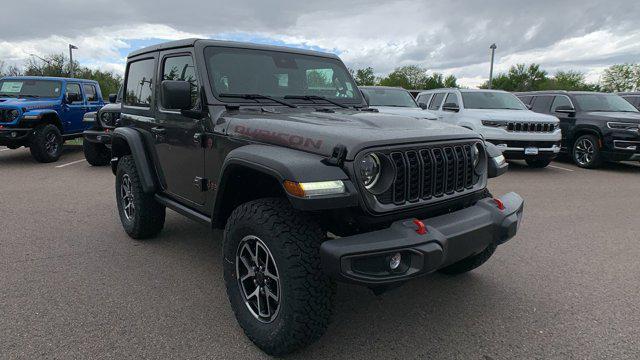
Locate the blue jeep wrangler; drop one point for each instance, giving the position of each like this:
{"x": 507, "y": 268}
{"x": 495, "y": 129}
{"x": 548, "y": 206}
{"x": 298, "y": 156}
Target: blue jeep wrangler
{"x": 42, "y": 112}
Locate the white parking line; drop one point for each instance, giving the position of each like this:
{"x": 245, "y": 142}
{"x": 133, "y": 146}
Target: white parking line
{"x": 561, "y": 168}
{"x": 71, "y": 163}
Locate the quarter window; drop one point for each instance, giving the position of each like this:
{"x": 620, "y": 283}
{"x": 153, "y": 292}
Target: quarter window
{"x": 90, "y": 92}
{"x": 138, "y": 89}
{"x": 182, "y": 68}
{"x": 436, "y": 101}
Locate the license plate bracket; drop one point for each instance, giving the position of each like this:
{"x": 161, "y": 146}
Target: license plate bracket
{"x": 531, "y": 151}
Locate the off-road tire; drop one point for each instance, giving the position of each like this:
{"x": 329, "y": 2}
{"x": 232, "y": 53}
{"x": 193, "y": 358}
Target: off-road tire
{"x": 96, "y": 154}
{"x": 596, "y": 159}
{"x": 538, "y": 163}
{"x": 470, "y": 263}
{"x": 45, "y": 143}
{"x": 147, "y": 219}
{"x": 306, "y": 293}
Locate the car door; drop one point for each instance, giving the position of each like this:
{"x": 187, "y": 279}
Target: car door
{"x": 73, "y": 111}
{"x": 179, "y": 147}
{"x": 449, "y": 116}
{"x": 436, "y": 102}
{"x": 567, "y": 120}
{"x": 93, "y": 103}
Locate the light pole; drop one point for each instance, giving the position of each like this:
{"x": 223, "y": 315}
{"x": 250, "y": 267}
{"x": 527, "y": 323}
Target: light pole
{"x": 71, "y": 48}
{"x": 493, "y": 48}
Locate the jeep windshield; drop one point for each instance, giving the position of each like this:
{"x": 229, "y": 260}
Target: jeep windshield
{"x": 603, "y": 102}
{"x": 264, "y": 74}
{"x": 389, "y": 97}
{"x": 30, "y": 88}
{"x": 491, "y": 100}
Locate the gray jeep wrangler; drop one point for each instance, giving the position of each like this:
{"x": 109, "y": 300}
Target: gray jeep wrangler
{"x": 277, "y": 147}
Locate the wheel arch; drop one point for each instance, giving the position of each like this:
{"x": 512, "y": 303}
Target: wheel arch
{"x": 127, "y": 141}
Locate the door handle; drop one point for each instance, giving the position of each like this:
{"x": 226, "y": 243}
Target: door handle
{"x": 159, "y": 130}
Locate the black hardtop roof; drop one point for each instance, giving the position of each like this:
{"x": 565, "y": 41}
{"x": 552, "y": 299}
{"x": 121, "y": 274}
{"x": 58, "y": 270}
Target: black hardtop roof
{"x": 371, "y": 87}
{"x": 243, "y": 45}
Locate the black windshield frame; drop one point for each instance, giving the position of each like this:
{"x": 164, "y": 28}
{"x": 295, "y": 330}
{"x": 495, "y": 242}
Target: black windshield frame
{"x": 335, "y": 64}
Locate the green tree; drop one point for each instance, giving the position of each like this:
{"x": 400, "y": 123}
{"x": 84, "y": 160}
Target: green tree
{"x": 410, "y": 77}
{"x": 58, "y": 65}
{"x": 520, "y": 77}
{"x": 365, "y": 77}
{"x": 568, "y": 80}
{"x": 621, "y": 77}
{"x": 451, "y": 82}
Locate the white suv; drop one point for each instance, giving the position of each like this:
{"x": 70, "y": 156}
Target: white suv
{"x": 501, "y": 118}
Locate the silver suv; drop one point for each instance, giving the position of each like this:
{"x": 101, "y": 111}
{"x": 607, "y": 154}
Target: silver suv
{"x": 501, "y": 118}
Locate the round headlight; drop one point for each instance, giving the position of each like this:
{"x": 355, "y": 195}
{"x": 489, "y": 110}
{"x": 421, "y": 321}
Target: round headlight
{"x": 475, "y": 154}
{"x": 12, "y": 115}
{"x": 106, "y": 118}
{"x": 370, "y": 170}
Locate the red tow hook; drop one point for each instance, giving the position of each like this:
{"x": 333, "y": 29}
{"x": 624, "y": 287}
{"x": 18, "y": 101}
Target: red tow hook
{"x": 422, "y": 228}
{"x": 499, "y": 203}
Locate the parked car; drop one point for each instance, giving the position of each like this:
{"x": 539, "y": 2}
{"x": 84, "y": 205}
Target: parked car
{"x": 41, "y": 113}
{"x": 276, "y": 146}
{"x": 632, "y": 97}
{"x": 396, "y": 101}
{"x": 501, "y": 119}
{"x": 596, "y": 127}
{"x": 97, "y": 138}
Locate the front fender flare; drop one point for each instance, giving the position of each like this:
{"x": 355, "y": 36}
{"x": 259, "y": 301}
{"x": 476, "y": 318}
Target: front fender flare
{"x": 289, "y": 164}
{"x": 128, "y": 141}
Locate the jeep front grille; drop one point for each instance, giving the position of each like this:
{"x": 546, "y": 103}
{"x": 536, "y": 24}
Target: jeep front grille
{"x": 519, "y": 126}
{"x": 430, "y": 172}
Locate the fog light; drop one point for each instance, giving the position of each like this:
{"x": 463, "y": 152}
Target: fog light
{"x": 14, "y": 134}
{"x": 395, "y": 261}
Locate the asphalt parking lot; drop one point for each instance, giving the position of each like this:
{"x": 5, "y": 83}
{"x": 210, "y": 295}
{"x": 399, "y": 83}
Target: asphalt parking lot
{"x": 73, "y": 285}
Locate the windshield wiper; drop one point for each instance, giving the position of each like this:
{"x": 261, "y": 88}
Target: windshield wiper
{"x": 256, "y": 97}
{"x": 28, "y": 96}
{"x": 7, "y": 95}
{"x": 315, "y": 97}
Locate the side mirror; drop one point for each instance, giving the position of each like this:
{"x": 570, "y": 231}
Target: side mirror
{"x": 70, "y": 98}
{"x": 423, "y": 106}
{"x": 497, "y": 164}
{"x": 113, "y": 98}
{"x": 176, "y": 94}
{"x": 451, "y": 107}
{"x": 565, "y": 109}
{"x": 90, "y": 117}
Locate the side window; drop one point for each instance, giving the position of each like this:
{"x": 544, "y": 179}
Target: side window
{"x": 560, "y": 101}
{"x": 452, "y": 98}
{"x": 423, "y": 99}
{"x": 182, "y": 68}
{"x": 74, "y": 89}
{"x": 436, "y": 101}
{"x": 139, "y": 84}
{"x": 90, "y": 92}
{"x": 526, "y": 99}
{"x": 542, "y": 104}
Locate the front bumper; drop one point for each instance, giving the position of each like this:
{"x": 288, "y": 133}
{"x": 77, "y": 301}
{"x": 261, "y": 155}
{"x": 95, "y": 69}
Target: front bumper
{"x": 97, "y": 136}
{"x": 363, "y": 259}
{"x": 10, "y": 136}
{"x": 520, "y": 149}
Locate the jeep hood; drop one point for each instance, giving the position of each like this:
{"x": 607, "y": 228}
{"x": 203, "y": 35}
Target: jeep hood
{"x": 28, "y": 103}
{"x": 407, "y": 111}
{"x": 509, "y": 115}
{"x": 319, "y": 132}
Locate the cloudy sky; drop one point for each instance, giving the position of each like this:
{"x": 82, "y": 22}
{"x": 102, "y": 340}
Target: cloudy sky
{"x": 452, "y": 36}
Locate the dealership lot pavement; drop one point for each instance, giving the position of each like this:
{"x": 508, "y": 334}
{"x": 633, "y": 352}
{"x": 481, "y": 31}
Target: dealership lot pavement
{"x": 73, "y": 285}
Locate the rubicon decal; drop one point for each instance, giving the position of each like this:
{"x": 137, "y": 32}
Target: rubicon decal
{"x": 283, "y": 138}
